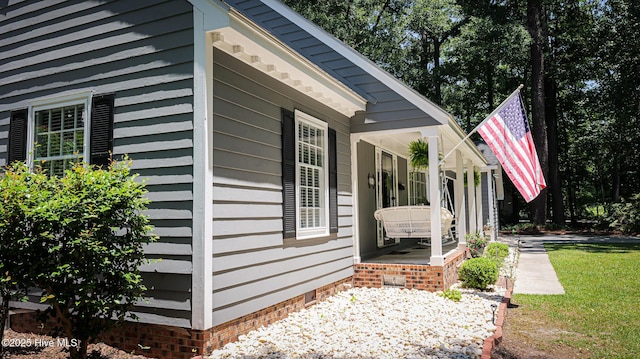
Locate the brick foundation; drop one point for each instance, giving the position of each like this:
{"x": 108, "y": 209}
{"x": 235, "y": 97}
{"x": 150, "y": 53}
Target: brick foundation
{"x": 181, "y": 343}
{"x": 162, "y": 341}
{"x": 230, "y": 331}
{"x": 169, "y": 342}
{"x": 424, "y": 277}
{"x": 451, "y": 266}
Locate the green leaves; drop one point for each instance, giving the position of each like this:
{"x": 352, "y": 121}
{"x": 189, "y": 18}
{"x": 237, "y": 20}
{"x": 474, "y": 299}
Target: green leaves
{"x": 478, "y": 273}
{"x": 79, "y": 238}
{"x": 419, "y": 154}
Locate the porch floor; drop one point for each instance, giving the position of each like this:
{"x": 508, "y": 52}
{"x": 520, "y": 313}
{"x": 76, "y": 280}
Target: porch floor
{"x": 410, "y": 253}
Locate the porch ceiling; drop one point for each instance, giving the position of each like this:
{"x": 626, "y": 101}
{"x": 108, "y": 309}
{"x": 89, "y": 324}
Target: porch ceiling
{"x": 398, "y": 142}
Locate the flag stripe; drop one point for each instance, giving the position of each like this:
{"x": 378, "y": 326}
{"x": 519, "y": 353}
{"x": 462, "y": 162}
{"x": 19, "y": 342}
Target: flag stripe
{"x": 511, "y": 145}
{"x": 513, "y": 164}
{"x": 513, "y": 153}
{"x": 507, "y": 133}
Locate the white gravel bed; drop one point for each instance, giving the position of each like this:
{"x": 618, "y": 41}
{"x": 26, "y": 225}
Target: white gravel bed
{"x": 376, "y": 323}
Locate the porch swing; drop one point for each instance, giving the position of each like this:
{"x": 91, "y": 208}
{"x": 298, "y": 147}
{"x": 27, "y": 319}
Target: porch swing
{"x": 414, "y": 221}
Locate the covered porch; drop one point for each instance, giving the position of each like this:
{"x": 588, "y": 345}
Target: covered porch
{"x": 461, "y": 181}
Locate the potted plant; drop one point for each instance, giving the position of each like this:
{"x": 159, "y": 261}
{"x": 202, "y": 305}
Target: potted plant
{"x": 419, "y": 154}
{"x": 476, "y": 243}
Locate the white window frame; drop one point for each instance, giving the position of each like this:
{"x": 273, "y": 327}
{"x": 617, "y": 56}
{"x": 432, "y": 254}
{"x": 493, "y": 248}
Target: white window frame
{"x": 413, "y": 186}
{"x": 82, "y": 98}
{"x": 323, "y": 230}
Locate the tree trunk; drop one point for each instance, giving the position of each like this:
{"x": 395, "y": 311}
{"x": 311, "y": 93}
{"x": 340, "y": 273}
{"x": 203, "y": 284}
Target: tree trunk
{"x": 425, "y": 57}
{"x": 4, "y": 314}
{"x": 572, "y": 203}
{"x": 515, "y": 204}
{"x": 490, "y": 83}
{"x": 615, "y": 186}
{"x": 436, "y": 71}
{"x": 555, "y": 179}
{"x": 539, "y": 128}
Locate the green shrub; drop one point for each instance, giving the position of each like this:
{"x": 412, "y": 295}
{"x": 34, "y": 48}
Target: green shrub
{"x": 80, "y": 239}
{"x": 497, "y": 252}
{"x": 20, "y": 191}
{"x": 452, "y": 294}
{"x": 523, "y": 228}
{"x": 475, "y": 243}
{"x": 478, "y": 273}
{"x": 625, "y": 216}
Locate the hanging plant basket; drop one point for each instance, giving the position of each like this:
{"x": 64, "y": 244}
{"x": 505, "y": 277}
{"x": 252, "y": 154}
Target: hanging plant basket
{"x": 419, "y": 154}
{"x": 476, "y": 179}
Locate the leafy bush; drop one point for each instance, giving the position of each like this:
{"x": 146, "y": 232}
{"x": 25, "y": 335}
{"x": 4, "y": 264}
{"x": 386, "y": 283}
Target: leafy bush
{"x": 625, "y": 216}
{"x": 20, "y": 192}
{"x": 475, "y": 243}
{"x": 497, "y": 252}
{"x": 452, "y": 294}
{"x": 523, "y": 228}
{"x": 478, "y": 273}
{"x": 555, "y": 227}
{"x": 87, "y": 232}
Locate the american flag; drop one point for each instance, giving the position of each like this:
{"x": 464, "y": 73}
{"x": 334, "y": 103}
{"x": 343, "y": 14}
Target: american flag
{"x": 508, "y": 134}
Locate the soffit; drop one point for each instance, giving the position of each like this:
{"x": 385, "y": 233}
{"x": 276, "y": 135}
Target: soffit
{"x": 252, "y": 45}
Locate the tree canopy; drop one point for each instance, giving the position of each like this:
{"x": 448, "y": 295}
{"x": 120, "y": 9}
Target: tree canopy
{"x": 579, "y": 62}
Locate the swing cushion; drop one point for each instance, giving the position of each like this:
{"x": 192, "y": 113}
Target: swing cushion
{"x": 412, "y": 221}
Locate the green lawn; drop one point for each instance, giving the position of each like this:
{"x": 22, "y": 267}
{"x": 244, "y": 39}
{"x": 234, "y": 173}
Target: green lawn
{"x": 600, "y": 312}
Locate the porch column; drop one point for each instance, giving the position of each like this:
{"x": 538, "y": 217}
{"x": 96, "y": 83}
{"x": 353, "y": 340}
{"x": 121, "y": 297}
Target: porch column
{"x": 479, "y": 200}
{"x": 459, "y": 194}
{"x": 471, "y": 194}
{"x": 437, "y": 259}
{"x": 355, "y": 204}
{"x": 491, "y": 197}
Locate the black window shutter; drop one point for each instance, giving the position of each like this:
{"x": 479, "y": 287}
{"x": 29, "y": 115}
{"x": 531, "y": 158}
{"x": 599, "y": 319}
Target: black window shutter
{"x": 18, "y": 136}
{"x": 333, "y": 182}
{"x": 288, "y": 174}
{"x": 101, "y": 140}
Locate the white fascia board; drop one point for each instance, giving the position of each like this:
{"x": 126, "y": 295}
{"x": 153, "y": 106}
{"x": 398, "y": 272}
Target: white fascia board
{"x": 361, "y": 61}
{"x": 425, "y": 131}
{"x": 215, "y": 14}
{"x": 251, "y": 44}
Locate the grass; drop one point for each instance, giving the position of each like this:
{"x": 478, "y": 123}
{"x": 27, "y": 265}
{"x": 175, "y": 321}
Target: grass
{"x": 600, "y": 313}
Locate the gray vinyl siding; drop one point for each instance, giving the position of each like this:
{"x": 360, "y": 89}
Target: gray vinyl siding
{"x": 253, "y": 266}
{"x": 486, "y": 210}
{"x": 367, "y": 201}
{"x": 142, "y": 51}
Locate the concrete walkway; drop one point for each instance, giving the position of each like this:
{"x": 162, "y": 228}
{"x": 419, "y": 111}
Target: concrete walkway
{"x": 535, "y": 274}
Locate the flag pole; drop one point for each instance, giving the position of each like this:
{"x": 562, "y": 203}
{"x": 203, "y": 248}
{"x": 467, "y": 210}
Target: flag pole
{"x": 480, "y": 124}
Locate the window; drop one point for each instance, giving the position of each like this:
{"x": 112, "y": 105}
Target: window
{"x": 418, "y": 188}
{"x": 309, "y": 177}
{"x": 312, "y": 180}
{"x": 58, "y": 132}
{"x": 59, "y": 136}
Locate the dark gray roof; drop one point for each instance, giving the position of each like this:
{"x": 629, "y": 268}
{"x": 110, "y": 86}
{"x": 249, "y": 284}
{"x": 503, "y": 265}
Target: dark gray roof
{"x": 487, "y": 152}
{"x": 391, "y": 104}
